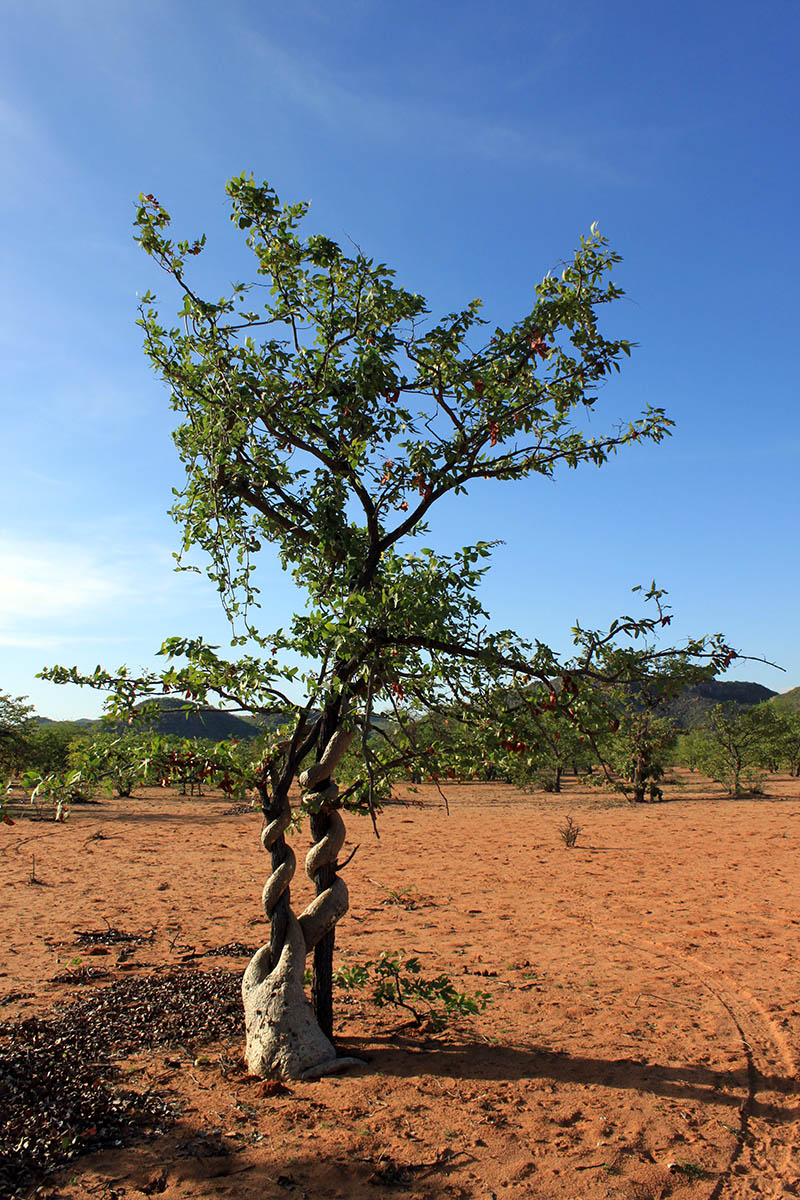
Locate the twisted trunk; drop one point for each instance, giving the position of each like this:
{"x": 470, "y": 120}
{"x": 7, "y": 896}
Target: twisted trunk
{"x": 331, "y": 902}
{"x": 283, "y": 1035}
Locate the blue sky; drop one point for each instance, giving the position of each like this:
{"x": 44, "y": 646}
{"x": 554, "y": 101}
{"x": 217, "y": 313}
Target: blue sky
{"x": 469, "y": 147}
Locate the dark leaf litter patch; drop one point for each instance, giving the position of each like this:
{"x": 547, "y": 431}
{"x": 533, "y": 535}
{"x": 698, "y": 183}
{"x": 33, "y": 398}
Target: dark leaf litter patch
{"x": 80, "y": 975}
{"x": 231, "y": 950}
{"x": 112, "y": 936}
{"x": 57, "y": 1074}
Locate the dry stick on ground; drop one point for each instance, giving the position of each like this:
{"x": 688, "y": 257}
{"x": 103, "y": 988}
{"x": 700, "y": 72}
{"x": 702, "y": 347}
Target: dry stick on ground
{"x": 664, "y": 1000}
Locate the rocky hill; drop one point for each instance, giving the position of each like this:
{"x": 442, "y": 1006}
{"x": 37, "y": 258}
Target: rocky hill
{"x": 692, "y": 706}
{"x": 214, "y": 724}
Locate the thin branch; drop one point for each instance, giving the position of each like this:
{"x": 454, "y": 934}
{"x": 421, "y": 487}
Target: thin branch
{"x": 365, "y": 750}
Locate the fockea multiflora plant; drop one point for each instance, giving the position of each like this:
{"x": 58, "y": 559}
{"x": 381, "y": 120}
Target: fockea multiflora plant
{"x": 322, "y": 412}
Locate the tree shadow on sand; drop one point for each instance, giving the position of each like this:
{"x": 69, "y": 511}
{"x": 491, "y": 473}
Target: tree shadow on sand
{"x": 479, "y": 1061}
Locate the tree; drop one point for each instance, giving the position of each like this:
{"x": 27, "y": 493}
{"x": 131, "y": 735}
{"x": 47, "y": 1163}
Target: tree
{"x": 531, "y": 736}
{"x": 49, "y": 746}
{"x": 788, "y": 740}
{"x": 689, "y": 748}
{"x": 639, "y": 752}
{"x": 733, "y": 744}
{"x": 329, "y": 440}
{"x": 115, "y": 760}
{"x": 778, "y": 743}
{"x": 191, "y": 763}
{"x": 638, "y": 741}
{"x": 16, "y": 726}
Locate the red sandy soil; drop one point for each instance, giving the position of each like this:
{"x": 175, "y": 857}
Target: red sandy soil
{"x": 644, "y": 1032}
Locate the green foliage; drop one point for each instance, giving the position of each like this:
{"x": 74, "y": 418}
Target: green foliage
{"x": 689, "y": 749}
{"x": 691, "y": 1170}
{"x": 787, "y": 702}
{"x": 785, "y": 741}
{"x": 16, "y": 728}
{"x": 50, "y": 745}
{"x": 355, "y": 403}
{"x": 639, "y": 752}
{"x": 734, "y": 746}
{"x": 397, "y": 980}
{"x": 778, "y": 743}
{"x": 539, "y": 739}
{"x": 516, "y": 735}
{"x": 322, "y": 414}
{"x": 117, "y": 761}
{"x": 121, "y": 762}
{"x": 47, "y": 772}
{"x": 738, "y": 745}
{"x": 61, "y": 788}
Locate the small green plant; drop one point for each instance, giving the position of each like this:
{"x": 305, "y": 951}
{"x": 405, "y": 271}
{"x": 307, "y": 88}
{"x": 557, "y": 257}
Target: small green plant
{"x": 690, "y": 1169}
{"x": 397, "y": 980}
{"x": 403, "y": 897}
{"x": 570, "y": 832}
{"x": 352, "y": 978}
{"x": 59, "y": 788}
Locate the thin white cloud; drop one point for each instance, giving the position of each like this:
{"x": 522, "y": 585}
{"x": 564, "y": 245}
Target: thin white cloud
{"x": 48, "y": 641}
{"x": 98, "y": 577}
{"x": 424, "y": 121}
{"x": 43, "y": 642}
{"x": 50, "y": 582}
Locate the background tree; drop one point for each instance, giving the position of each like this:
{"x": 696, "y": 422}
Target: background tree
{"x": 733, "y": 747}
{"x": 634, "y": 739}
{"x": 16, "y": 728}
{"x": 109, "y": 759}
{"x": 639, "y": 751}
{"x": 788, "y": 741}
{"x": 329, "y": 439}
{"x": 778, "y": 744}
{"x": 688, "y": 748}
{"x": 534, "y": 735}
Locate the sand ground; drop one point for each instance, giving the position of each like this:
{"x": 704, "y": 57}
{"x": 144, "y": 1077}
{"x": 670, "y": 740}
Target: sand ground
{"x": 643, "y": 1036}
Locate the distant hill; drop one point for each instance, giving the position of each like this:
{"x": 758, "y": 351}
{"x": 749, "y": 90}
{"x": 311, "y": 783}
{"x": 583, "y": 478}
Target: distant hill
{"x": 691, "y": 707}
{"x": 79, "y": 723}
{"x": 214, "y": 724}
{"x": 688, "y": 710}
{"x": 787, "y": 702}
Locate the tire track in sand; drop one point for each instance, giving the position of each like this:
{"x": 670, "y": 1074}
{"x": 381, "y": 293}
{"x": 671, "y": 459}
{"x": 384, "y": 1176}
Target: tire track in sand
{"x": 766, "y": 1159}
